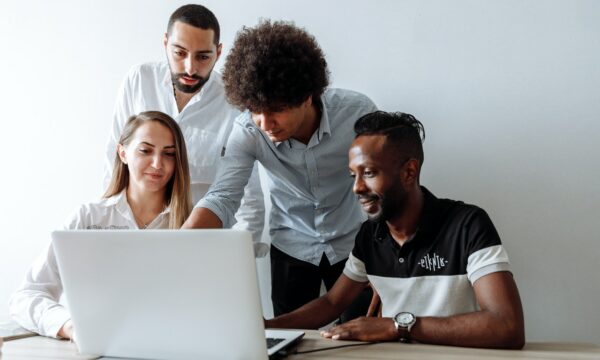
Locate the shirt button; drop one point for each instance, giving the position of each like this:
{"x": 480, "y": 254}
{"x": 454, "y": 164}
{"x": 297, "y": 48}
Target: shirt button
{"x": 401, "y": 260}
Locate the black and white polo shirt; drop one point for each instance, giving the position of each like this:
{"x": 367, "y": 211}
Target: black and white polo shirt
{"x": 433, "y": 273}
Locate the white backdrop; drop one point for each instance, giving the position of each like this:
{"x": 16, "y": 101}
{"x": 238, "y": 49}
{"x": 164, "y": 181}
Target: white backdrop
{"x": 509, "y": 92}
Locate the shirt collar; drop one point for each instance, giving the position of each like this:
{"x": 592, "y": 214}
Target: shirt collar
{"x": 166, "y": 211}
{"x": 381, "y": 231}
{"x": 158, "y": 222}
{"x": 430, "y": 215}
{"x": 115, "y": 199}
{"x": 119, "y": 201}
{"x": 324, "y": 125}
{"x": 167, "y": 82}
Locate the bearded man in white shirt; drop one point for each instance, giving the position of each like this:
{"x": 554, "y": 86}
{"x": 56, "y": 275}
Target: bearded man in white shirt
{"x": 187, "y": 88}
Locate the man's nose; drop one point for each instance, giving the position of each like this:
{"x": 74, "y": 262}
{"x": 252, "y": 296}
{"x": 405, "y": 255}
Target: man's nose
{"x": 359, "y": 185}
{"x": 190, "y": 66}
{"x": 265, "y": 121}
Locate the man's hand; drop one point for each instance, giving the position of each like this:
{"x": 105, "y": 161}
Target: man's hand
{"x": 202, "y": 218}
{"x": 375, "y": 305}
{"x": 364, "y": 329}
{"x": 66, "y": 331}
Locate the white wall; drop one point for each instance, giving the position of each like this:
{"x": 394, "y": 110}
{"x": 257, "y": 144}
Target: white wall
{"x": 509, "y": 92}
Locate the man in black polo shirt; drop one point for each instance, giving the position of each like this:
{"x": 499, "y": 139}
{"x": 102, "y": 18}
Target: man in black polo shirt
{"x": 438, "y": 264}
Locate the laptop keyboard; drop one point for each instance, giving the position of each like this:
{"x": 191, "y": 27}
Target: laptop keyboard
{"x": 272, "y": 342}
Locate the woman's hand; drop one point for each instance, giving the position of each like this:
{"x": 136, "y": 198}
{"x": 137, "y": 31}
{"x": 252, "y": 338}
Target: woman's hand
{"x": 66, "y": 331}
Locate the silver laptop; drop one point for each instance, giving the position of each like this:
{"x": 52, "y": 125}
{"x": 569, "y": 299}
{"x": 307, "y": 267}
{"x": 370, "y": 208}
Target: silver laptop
{"x": 165, "y": 294}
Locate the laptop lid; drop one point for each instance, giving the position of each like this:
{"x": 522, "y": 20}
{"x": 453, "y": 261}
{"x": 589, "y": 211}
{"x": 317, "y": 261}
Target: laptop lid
{"x": 162, "y": 293}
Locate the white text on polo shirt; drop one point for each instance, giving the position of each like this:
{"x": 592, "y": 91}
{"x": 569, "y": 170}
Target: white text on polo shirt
{"x": 433, "y": 263}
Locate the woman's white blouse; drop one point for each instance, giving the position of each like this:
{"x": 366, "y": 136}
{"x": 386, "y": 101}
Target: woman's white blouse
{"x": 35, "y": 305}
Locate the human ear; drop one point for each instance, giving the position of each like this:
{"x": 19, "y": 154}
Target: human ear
{"x": 122, "y": 153}
{"x": 410, "y": 171}
{"x": 308, "y": 102}
{"x": 166, "y": 40}
{"x": 219, "y": 49}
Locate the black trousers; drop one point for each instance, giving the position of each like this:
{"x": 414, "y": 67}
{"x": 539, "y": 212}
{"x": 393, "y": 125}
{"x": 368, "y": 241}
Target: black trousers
{"x": 295, "y": 282}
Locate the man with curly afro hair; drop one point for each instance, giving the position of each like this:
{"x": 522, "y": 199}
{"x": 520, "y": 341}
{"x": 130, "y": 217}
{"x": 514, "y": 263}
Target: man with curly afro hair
{"x": 300, "y": 131}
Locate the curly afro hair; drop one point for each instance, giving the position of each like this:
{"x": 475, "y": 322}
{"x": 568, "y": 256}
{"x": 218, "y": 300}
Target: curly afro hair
{"x": 274, "y": 66}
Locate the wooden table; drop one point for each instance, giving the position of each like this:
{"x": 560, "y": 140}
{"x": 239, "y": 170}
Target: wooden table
{"x": 45, "y": 348}
{"x": 387, "y": 351}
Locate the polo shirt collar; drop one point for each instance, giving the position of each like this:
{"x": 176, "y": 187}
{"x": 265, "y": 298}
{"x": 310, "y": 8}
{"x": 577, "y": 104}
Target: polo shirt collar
{"x": 381, "y": 231}
{"x": 430, "y": 215}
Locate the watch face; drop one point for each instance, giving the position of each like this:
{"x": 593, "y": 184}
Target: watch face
{"x": 405, "y": 318}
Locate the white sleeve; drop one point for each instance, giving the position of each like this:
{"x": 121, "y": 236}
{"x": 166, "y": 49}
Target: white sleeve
{"x": 122, "y": 111}
{"x": 251, "y": 214}
{"x": 486, "y": 261}
{"x": 355, "y": 269}
{"x": 35, "y": 304}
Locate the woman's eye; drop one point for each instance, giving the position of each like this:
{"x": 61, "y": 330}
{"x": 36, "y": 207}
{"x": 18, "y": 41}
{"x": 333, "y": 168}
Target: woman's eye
{"x": 144, "y": 151}
{"x": 170, "y": 154}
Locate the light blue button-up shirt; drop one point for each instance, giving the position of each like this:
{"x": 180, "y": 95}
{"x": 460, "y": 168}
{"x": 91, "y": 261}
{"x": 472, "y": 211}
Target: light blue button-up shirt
{"x": 313, "y": 208}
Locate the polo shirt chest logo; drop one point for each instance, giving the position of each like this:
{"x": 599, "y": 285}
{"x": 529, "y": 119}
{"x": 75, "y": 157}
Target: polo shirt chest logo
{"x": 433, "y": 262}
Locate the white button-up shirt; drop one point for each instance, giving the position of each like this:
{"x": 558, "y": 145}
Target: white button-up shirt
{"x": 35, "y": 305}
{"x": 206, "y": 123}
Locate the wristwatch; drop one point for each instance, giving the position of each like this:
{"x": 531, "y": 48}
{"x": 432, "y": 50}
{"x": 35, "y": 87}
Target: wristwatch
{"x": 404, "y": 321}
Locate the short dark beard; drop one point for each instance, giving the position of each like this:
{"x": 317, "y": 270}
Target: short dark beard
{"x": 188, "y": 89}
{"x": 390, "y": 208}
{"x": 393, "y": 203}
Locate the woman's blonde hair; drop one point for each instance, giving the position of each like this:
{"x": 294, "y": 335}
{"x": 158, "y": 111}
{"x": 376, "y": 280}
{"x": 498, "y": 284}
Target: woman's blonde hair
{"x": 177, "y": 194}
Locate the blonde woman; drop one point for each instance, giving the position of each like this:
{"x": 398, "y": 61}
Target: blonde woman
{"x": 149, "y": 189}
